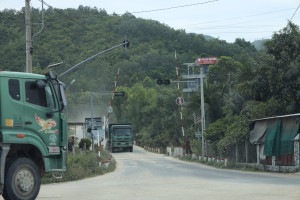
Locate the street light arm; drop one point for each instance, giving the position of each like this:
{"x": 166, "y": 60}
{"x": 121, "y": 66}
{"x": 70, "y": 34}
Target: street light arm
{"x": 64, "y": 73}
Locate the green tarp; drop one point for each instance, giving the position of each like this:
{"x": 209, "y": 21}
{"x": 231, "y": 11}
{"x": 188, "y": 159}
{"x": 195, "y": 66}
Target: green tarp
{"x": 279, "y": 136}
{"x": 272, "y": 140}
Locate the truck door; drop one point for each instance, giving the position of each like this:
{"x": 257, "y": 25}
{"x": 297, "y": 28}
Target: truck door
{"x": 41, "y": 116}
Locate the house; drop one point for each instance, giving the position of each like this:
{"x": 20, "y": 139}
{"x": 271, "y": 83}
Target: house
{"x": 277, "y": 142}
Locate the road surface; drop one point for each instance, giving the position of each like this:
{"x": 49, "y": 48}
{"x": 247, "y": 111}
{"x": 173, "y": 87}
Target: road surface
{"x": 143, "y": 175}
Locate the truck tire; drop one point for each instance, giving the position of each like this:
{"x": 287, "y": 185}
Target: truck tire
{"x": 130, "y": 149}
{"x": 22, "y": 180}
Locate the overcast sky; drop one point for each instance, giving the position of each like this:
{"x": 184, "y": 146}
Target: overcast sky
{"x": 223, "y": 19}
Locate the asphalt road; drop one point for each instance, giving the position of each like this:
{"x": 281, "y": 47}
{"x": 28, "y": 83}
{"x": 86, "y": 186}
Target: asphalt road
{"x": 142, "y": 175}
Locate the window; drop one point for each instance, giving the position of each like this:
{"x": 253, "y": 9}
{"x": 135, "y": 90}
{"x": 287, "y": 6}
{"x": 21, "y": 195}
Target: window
{"x": 14, "y": 89}
{"x": 122, "y": 132}
{"x": 39, "y": 96}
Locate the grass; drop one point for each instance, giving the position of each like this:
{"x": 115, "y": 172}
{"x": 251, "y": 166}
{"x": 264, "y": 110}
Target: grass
{"x": 81, "y": 165}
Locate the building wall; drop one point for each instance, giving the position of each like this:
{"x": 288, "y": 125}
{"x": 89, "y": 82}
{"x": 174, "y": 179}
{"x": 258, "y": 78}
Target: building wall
{"x": 275, "y": 167}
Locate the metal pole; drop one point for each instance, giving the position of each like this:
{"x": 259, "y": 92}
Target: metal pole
{"x": 202, "y": 110}
{"x": 179, "y": 96}
{"x": 41, "y": 23}
{"x": 112, "y": 98}
{"x": 99, "y": 149}
{"x": 62, "y": 74}
{"x": 28, "y": 37}
{"x": 92, "y": 121}
{"x": 67, "y": 113}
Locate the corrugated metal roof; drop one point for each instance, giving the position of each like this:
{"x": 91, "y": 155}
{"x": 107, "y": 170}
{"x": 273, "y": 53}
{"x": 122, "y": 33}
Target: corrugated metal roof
{"x": 276, "y": 117}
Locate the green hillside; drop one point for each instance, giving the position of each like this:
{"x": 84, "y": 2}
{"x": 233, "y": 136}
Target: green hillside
{"x": 244, "y": 85}
{"x": 72, "y": 35}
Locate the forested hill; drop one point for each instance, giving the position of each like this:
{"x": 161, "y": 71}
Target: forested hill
{"x": 245, "y": 84}
{"x": 72, "y": 35}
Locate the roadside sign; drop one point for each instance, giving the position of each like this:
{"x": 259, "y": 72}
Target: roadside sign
{"x": 207, "y": 61}
{"x": 110, "y": 109}
{"x": 179, "y": 101}
{"x": 100, "y": 132}
{"x": 198, "y": 134}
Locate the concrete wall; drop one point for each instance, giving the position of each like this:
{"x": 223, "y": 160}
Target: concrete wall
{"x": 178, "y": 152}
{"x": 297, "y": 150}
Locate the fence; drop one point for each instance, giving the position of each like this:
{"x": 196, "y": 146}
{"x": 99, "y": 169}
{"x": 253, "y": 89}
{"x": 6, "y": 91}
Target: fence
{"x": 239, "y": 153}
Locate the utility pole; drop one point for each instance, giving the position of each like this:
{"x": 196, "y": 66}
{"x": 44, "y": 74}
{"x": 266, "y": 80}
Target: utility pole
{"x": 229, "y": 81}
{"x": 179, "y": 96}
{"x": 202, "y": 110}
{"x": 92, "y": 121}
{"x": 28, "y": 37}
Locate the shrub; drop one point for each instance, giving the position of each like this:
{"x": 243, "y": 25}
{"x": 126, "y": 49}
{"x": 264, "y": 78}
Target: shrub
{"x": 79, "y": 166}
{"x": 86, "y": 141}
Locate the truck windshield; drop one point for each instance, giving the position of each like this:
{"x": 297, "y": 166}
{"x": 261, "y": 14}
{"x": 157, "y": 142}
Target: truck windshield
{"x": 122, "y": 132}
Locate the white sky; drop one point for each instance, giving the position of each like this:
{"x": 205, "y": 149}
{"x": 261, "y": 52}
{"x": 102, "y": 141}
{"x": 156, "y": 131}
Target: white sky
{"x": 223, "y": 19}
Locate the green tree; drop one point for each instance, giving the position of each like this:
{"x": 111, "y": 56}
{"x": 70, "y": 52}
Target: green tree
{"x": 277, "y": 75}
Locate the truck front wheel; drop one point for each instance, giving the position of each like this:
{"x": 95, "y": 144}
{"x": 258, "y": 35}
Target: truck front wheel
{"x": 22, "y": 180}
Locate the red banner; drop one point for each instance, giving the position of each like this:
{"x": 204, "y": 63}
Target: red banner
{"x": 207, "y": 61}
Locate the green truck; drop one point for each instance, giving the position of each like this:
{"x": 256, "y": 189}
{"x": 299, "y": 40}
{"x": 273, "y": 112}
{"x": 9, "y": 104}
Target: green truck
{"x": 120, "y": 136}
{"x": 33, "y": 132}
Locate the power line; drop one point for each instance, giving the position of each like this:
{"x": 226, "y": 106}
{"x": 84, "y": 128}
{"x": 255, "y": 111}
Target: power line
{"x": 231, "y": 26}
{"x": 241, "y": 17}
{"x": 69, "y": 18}
{"x": 251, "y": 32}
{"x": 295, "y": 12}
{"x": 174, "y": 7}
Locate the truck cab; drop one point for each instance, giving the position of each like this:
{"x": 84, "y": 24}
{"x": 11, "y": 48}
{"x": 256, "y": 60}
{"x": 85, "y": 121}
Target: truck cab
{"x": 120, "y": 136}
{"x": 33, "y": 132}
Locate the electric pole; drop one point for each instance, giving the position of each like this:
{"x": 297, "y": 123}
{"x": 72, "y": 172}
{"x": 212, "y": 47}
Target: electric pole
{"x": 92, "y": 121}
{"x": 229, "y": 81}
{"x": 28, "y": 37}
{"x": 202, "y": 110}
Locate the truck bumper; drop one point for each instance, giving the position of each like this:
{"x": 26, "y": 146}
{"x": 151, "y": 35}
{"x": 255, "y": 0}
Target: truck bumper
{"x": 122, "y": 144}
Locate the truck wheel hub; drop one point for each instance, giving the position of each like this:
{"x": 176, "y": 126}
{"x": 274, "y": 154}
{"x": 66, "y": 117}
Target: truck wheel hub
{"x": 25, "y": 180}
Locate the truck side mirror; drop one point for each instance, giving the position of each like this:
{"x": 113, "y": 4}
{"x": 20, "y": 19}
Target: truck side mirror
{"x": 40, "y": 84}
{"x": 63, "y": 95}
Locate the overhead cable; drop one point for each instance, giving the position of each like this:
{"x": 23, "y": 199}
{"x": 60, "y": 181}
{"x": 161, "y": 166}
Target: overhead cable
{"x": 174, "y": 7}
{"x": 295, "y": 12}
{"x": 241, "y": 17}
{"x": 69, "y": 18}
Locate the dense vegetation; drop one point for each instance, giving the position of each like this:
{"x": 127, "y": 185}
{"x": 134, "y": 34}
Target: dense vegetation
{"x": 244, "y": 85}
{"x": 81, "y": 165}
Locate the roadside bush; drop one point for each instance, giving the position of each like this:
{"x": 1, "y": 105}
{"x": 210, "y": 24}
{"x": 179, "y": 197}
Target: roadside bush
{"x": 196, "y": 146}
{"x": 79, "y": 166}
{"x": 86, "y": 141}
